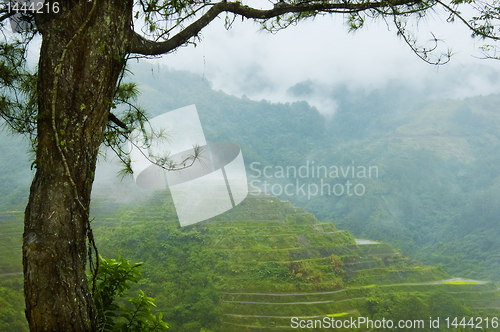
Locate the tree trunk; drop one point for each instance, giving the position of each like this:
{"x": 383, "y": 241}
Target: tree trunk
{"x": 81, "y": 58}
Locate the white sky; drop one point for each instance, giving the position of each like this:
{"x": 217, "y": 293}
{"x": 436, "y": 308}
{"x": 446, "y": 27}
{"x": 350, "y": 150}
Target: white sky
{"x": 261, "y": 65}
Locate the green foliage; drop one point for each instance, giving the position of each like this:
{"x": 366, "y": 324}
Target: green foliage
{"x": 219, "y": 272}
{"x": 114, "y": 278}
{"x": 443, "y": 305}
{"x": 17, "y": 89}
{"x": 412, "y": 307}
{"x": 389, "y": 305}
{"x": 272, "y": 270}
{"x": 178, "y": 270}
{"x": 139, "y": 317}
{"x": 12, "y": 307}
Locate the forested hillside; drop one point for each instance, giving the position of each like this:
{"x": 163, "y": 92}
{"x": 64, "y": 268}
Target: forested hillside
{"x": 429, "y": 176}
{"x": 434, "y": 194}
{"x": 265, "y": 261}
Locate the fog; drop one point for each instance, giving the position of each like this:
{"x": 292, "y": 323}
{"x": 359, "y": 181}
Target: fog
{"x": 247, "y": 61}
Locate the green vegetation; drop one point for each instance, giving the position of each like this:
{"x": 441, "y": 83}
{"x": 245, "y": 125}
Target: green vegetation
{"x": 114, "y": 278}
{"x": 242, "y": 271}
{"x": 460, "y": 282}
{"x": 340, "y": 314}
{"x": 434, "y": 199}
{"x": 12, "y": 306}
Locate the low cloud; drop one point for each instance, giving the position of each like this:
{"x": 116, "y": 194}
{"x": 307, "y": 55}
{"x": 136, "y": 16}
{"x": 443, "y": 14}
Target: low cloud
{"x": 260, "y": 65}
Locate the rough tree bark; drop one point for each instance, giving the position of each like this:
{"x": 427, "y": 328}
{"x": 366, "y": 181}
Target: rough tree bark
{"x": 80, "y": 62}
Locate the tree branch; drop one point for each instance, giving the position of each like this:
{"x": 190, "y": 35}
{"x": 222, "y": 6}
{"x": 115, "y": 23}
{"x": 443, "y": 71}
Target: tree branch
{"x": 469, "y": 25}
{"x": 118, "y": 122}
{"x": 144, "y": 46}
{"x": 6, "y": 15}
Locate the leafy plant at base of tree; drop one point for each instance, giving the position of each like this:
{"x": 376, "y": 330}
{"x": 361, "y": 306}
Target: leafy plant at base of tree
{"x": 114, "y": 278}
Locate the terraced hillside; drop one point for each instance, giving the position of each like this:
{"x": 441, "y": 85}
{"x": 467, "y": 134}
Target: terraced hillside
{"x": 259, "y": 265}
{"x": 11, "y": 272}
{"x": 11, "y": 226}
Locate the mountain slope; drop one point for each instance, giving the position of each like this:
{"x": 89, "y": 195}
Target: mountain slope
{"x": 257, "y": 266}
{"x": 437, "y": 176}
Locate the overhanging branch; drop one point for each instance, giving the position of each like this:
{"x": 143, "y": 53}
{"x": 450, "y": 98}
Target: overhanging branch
{"x": 476, "y": 31}
{"x": 118, "y": 122}
{"x": 141, "y": 45}
{"x": 5, "y": 15}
